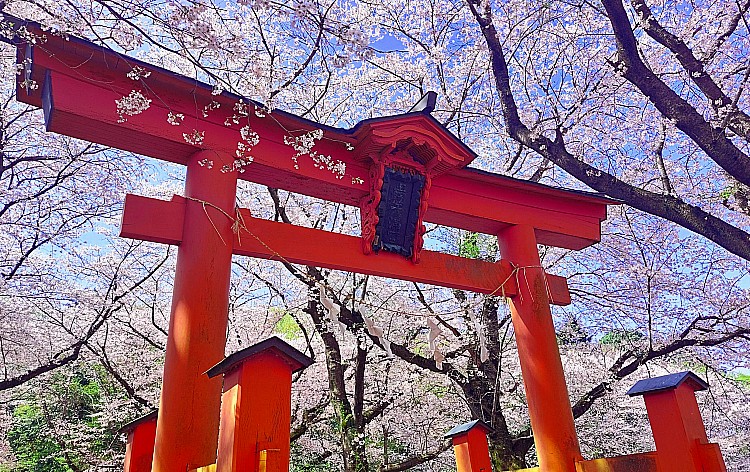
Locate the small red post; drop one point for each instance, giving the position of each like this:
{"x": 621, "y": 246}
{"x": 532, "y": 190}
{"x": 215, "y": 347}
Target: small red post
{"x": 256, "y": 406}
{"x": 139, "y": 450}
{"x": 470, "y": 446}
{"x": 679, "y": 432}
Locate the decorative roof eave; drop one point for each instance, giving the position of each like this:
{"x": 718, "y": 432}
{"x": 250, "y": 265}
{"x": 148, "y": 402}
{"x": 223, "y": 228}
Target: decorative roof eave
{"x": 375, "y": 136}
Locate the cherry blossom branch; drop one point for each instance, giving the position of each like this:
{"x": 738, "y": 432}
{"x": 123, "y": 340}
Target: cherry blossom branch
{"x": 731, "y": 27}
{"x": 619, "y": 370}
{"x": 714, "y": 142}
{"x": 309, "y": 416}
{"x": 669, "y": 207}
{"x": 310, "y": 56}
{"x": 738, "y": 121}
{"x": 109, "y": 367}
{"x": 659, "y": 156}
{"x": 57, "y": 362}
{"x": 421, "y": 298}
{"x": 100, "y": 319}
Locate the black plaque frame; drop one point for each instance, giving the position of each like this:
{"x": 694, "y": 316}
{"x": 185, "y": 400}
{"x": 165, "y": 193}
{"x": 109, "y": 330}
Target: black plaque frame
{"x": 398, "y": 211}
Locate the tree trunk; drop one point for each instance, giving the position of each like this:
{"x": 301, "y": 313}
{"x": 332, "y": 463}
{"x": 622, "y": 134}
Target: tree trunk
{"x": 503, "y": 456}
{"x": 350, "y": 430}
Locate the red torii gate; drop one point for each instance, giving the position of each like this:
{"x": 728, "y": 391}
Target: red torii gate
{"x": 78, "y": 84}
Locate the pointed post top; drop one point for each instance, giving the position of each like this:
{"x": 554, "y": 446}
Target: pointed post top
{"x": 667, "y": 382}
{"x": 290, "y": 355}
{"x": 466, "y": 427}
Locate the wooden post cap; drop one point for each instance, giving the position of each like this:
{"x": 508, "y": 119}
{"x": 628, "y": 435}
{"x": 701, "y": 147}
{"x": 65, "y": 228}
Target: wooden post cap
{"x": 296, "y": 360}
{"x": 466, "y": 427}
{"x": 130, "y": 426}
{"x": 667, "y": 382}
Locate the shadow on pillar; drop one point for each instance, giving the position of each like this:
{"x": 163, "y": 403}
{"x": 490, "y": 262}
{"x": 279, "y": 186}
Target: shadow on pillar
{"x": 139, "y": 450}
{"x": 679, "y": 434}
{"x": 256, "y": 401}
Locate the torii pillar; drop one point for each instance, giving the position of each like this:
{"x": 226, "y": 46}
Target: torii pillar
{"x": 544, "y": 380}
{"x": 198, "y": 321}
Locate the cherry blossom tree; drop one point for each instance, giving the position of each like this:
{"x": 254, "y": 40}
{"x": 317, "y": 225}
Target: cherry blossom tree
{"x": 642, "y": 101}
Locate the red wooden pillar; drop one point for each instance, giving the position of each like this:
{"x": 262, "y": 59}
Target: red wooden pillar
{"x": 546, "y": 393}
{"x": 470, "y": 447}
{"x": 188, "y": 423}
{"x": 256, "y": 406}
{"x": 679, "y": 433}
{"x": 140, "y": 443}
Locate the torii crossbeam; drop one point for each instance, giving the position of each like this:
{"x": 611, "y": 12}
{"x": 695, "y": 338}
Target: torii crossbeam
{"x": 399, "y": 170}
